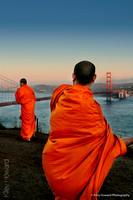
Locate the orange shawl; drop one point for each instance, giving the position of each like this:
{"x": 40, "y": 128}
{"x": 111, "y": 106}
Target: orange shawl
{"x": 81, "y": 147}
{"x": 26, "y": 97}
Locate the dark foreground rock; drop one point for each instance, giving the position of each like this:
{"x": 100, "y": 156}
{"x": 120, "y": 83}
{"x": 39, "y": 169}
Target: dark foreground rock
{"x": 22, "y": 176}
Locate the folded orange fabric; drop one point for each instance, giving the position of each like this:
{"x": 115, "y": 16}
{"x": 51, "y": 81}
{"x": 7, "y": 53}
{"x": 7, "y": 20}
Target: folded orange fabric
{"x": 26, "y": 97}
{"x": 81, "y": 147}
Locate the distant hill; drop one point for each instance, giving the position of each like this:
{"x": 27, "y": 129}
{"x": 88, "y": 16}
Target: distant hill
{"x": 102, "y": 86}
{"x": 95, "y": 87}
{"x": 43, "y": 88}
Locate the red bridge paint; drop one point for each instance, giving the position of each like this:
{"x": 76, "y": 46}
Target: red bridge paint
{"x": 15, "y": 103}
{"x": 48, "y": 98}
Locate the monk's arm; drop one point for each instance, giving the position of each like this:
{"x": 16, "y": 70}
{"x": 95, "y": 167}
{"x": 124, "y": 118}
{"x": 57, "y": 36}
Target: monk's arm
{"x": 17, "y": 98}
{"x": 19, "y": 95}
{"x": 128, "y": 140}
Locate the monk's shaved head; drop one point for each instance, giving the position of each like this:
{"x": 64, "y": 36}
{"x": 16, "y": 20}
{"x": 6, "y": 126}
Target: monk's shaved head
{"x": 23, "y": 81}
{"x": 84, "y": 72}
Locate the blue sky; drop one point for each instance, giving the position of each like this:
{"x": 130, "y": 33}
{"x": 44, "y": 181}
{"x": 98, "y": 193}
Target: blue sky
{"x": 43, "y": 40}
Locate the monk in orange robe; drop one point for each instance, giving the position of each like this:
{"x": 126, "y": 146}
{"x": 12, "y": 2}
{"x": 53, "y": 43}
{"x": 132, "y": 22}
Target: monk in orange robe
{"x": 81, "y": 147}
{"x": 26, "y": 97}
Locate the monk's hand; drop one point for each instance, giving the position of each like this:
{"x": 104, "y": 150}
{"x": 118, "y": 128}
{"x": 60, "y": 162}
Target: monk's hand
{"x": 128, "y": 140}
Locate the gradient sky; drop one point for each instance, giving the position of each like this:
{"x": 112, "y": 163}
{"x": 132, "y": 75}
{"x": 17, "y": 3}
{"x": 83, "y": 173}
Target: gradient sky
{"x": 42, "y": 40}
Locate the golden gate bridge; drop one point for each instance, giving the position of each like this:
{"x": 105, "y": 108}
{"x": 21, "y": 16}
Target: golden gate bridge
{"x": 8, "y": 88}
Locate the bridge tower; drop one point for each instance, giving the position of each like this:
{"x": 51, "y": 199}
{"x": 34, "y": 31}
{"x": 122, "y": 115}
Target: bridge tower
{"x": 108, "y": 85}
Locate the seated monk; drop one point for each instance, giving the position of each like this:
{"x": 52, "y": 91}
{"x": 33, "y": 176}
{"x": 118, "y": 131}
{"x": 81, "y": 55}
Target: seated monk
{"x": 81, "y": 147}
{"x": 26, "y": 97}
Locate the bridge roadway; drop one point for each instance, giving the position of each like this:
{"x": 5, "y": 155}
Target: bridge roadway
{"x": 2, "y": 104}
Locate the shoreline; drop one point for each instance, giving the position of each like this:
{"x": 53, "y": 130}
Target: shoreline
{"x": 23, "y": 176}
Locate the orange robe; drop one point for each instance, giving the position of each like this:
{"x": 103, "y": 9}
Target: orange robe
{"x": 26, "y": 97}
{"x": 81, "y": 147}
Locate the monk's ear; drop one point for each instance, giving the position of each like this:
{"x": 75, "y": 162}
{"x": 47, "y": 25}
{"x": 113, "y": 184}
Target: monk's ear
{"x": 73, "y": 77}
{"x": 94, "y": 78}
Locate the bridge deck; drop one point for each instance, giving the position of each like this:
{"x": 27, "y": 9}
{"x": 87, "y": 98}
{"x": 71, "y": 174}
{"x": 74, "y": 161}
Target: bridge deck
{"x": 15, "y": 102}
{"x": 46, "y": 98}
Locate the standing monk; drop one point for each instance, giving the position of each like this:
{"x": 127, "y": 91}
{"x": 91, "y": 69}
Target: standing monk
{"x": 81, "y": 147}
{"x": 26, "y": 97}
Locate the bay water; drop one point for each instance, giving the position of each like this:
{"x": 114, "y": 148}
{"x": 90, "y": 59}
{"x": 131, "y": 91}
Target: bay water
{"x": 119, "y": 114}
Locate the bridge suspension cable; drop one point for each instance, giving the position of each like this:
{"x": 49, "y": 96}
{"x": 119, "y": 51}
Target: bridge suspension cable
{"x": 7, "y": 89}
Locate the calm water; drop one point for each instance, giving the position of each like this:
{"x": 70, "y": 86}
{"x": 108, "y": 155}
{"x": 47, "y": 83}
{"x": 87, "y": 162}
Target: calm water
{"x": 119, "y": 114}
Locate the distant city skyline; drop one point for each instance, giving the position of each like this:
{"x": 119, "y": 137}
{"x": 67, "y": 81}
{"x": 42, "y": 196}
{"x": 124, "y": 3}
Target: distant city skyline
{"x": 43, "y": 40}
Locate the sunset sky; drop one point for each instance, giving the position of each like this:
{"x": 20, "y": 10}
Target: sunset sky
{"x": 43, "y": 40}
